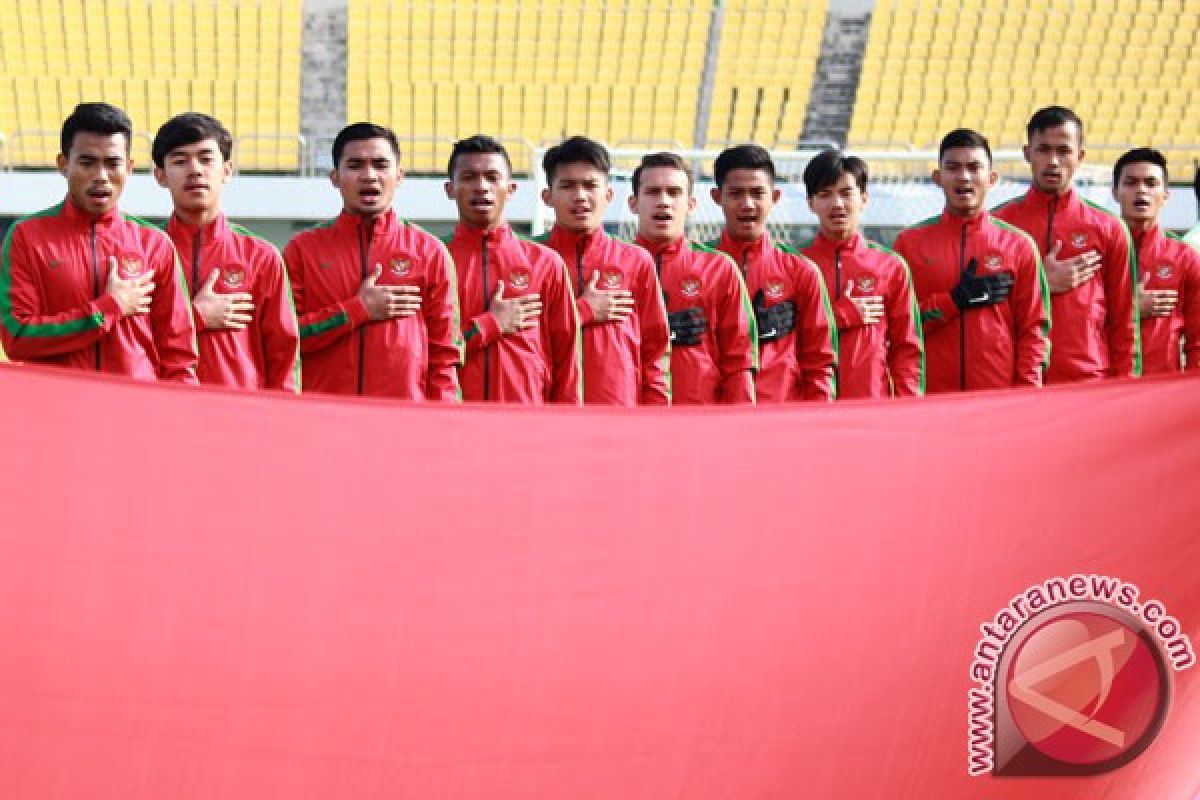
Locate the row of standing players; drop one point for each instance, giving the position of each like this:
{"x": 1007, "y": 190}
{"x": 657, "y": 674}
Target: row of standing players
{"x": 370, "y": 304}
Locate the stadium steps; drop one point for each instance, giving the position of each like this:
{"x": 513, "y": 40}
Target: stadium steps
{"x": 323, "y": 86}
{"x": 835, "y": 80}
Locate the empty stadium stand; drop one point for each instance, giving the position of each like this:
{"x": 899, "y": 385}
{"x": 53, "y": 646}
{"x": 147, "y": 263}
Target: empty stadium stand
{"x": 628, "y": 73}
{"x": 1130, "y": 68}
{"x": 236, "y": 59}
{"x": 768, "y": 54}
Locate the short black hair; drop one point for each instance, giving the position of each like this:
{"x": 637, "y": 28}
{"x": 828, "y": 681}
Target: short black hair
{"x": 663, "y": 160}
{"x": 964, "y": 137}
{"x": 189, "y": 128}
{"x": 1052, "y": 117}
{"x": 1140, "y": 155}
{"x": 743, "y": 156}
{"x": 478, "y": 144}
{"x": 101, "y": 118}
{"x": 360, "y": 132}
{"x": 828, "y": 167}
{"x": 576, "y": 150}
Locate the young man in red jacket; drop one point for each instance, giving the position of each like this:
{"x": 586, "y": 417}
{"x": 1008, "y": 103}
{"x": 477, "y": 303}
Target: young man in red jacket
{"x": 83, "y": 285}
{"x": 519, "y": 321}
{"x": 1169, "y": 290}
{"x": 714, "y": 348}
{"x": 796, "y": 337}
{"x": 626, "y": 356}
{"x": 245, "y": 325}
{"x": 1088, "y": 256}
{"x": 978, "y": 281}
{"x": 375, "y": 294}
{"x": 880, "y": 349}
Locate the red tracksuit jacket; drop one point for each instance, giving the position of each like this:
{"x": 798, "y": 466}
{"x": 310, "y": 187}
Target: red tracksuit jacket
{"x": 413, "y": 358}
{"x": 624, "y": 363}
{"x": 1096, "y": 324}
{"x": 720, "y": 369}
{"x": 800, "y": 365}
{"x": 266, "y": 353}
{"x": 884, "y": 359}
{"x": 539, "y": 365}
{"x": 1170, "y": 264}
{"x": 985, "y": 348}
{"x": 53, "y": 304}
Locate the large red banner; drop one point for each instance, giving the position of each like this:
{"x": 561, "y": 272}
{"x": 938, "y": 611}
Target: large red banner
{"x": 215, "y": 595}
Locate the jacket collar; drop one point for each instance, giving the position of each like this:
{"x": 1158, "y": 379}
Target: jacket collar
{"x": 570, "y": 241}
{"x": 384, "y": 223}
{"x": 741, "y": 249}
{"x": 663, "y": 249}
{"x": 1043, "y": 200}
{"x": 476, "y": 236}
{"x": 75, "y": 216}
{"x": 824, "y": 246}
{"x": 973, "y": 225}
{"x": 180, "y": 231}
{"x": 1147, "y": 237}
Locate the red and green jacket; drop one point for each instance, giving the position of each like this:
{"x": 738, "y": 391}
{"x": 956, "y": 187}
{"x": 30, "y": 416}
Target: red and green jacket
{"x": 881, "y": 360}
{"x": 1169, "y": 263}
{"x": 542, "y": 364}
{"x": 54, "y": 308}
{"x": 624, "y": 363}
{"x": 266, "y": 353}
{"x": 1096, "y": 331}
{"x": 412, "y": 358}
{"x": 985, "y": 348}
{"x": 720, "y": 369}
{"x": 801, "y": 364}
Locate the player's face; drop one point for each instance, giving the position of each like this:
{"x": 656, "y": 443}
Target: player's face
{"x": 367, "y": 176}
{"x": 195, "y": 175}
{"x": 965, "y": 175}
{"x": 662, "y": 204}
{"x": 839, "y": 207}
{"x": 96, "y": 168}
{"x": 579, "y": 196}
{"x": 1053, "y": 155}
{"x": 480, "y": 186}
{"x": 746, "y": 197}
{"x": 1142, "y": 192}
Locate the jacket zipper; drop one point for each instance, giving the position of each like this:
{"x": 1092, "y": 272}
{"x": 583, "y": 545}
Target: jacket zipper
{"x": 487, "y": 301}
{"x": 95, "y": 284}
{"x": 363, "y": 247}
{"x": 962, "y": 317}
{"x": 196, "y": 262}
{"x": 837, "y": 295}
{"x": 1050, "y": 224}
{"x": 579, "y": 265}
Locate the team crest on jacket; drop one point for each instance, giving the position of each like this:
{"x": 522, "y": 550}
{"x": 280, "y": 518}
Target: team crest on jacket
{"x": 775, "y": 289}
{"x": 993, "y": 261}
{"x": 400, "y": 267}
{"x": 131, "y": 266}
{"x": 691, "y": 287}
{"x": 1079, "y": 239}
{"x": 611, "y": 278}
{"x": 867, "y": 283}
{"x": 233, "y": 277}
{"x": 1163, "y": 271}
{"x": 519, "y": 279}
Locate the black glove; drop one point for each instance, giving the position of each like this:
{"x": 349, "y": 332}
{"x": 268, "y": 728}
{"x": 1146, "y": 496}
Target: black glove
{"x": 774, "y": 322}
{"x": 687, "y": 326}
{"x": 980, "y": 291}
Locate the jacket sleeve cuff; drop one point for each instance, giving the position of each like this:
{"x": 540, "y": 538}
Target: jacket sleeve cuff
{"x": 488, "y": 327}
{"x": 941, "y": 306}
{"x": 356, "y": 311}
{"x": 107, "y": 305}
{"x": 845, "y": 314}
{"x": 586, "y": 315}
